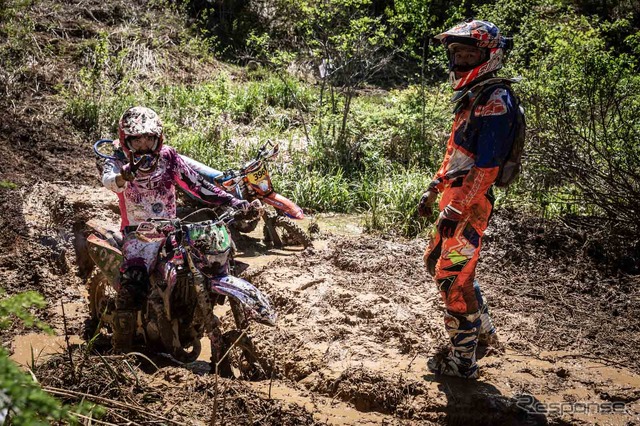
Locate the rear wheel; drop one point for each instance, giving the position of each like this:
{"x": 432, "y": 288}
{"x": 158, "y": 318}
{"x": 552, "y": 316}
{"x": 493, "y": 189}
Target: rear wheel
{"x": 280, "y": 231}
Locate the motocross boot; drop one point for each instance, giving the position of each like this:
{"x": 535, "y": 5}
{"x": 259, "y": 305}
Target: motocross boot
{"x": 134, "y": 286}
{"x": 124, "y": 328}
{"x": 487, "y": 335}
{"x": 460, "y": 361}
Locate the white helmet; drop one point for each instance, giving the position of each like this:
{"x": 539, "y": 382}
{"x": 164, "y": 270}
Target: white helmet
{"x": 139, "y": 121}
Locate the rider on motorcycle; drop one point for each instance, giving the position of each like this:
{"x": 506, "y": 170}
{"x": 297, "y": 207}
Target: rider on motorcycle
{"x": 145, "y": 183}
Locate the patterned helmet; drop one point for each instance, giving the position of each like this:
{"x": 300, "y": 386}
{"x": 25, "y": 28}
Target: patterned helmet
{"x": 483, "y": 35}
{"x": 138, "y": 121}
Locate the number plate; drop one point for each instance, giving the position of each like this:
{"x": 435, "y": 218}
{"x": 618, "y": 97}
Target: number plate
{"x": 260, "y": 180}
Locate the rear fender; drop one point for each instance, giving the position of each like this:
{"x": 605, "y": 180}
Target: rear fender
{"x": 108, "y": 231}
{"x": 203, "y": 170}
{"x": 255, "y": 304}
{"x": 106, "y": 257}
{"x": 286, "y": 205}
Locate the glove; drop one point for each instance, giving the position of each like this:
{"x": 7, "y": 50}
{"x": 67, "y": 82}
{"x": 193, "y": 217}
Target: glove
{"x": 130, "y": 169}
{"x": 128, "y": 172}
{"x": 425, "y": 206}
{"x": 242, "y": 205}
{"x": 448, "y": 221}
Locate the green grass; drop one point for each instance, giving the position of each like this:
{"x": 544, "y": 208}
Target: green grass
{"x": 5, "y": 184}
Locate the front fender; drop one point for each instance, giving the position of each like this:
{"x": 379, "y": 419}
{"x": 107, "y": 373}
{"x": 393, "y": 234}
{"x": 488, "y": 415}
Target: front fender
{"x": 280, "y": 202}
{"x": 106, "y": 257}
{"x": 256, "y": 305}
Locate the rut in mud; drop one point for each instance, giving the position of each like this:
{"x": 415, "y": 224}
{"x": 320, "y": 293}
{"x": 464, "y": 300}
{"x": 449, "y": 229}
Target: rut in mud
{"x": 358, "y": 317}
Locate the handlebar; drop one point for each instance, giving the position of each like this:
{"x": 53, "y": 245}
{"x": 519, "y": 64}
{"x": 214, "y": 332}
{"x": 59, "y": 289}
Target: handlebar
{"x": 98, "y": 144}
{"x": 264, "y": 153}
{"x": 227, "y": 217}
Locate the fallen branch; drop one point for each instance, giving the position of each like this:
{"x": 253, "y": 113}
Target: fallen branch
{"x": 106, "y": 401}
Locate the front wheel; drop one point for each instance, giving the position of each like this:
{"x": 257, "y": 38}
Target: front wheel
{"x": 241, "y": 358}
{"x": 102, "y": 297}
{"x": 281, "y": 231}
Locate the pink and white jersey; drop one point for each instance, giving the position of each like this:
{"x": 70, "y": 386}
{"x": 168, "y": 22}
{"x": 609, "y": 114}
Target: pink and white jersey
{"x": 153, "y": 194}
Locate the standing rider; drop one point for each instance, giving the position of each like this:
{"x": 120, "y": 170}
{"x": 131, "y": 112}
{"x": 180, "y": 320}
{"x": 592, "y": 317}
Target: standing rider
{"x": 145, "y": 186}
{"x": 480, "y": 141}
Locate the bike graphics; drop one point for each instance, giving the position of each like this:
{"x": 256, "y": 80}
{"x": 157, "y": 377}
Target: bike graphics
{"x": 252, "y": 182}
{"x": 191, "y": 275}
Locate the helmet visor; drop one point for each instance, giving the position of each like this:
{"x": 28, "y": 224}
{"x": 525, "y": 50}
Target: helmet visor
{"x": 463, "y": 57}
{"x": 142, "y": 144}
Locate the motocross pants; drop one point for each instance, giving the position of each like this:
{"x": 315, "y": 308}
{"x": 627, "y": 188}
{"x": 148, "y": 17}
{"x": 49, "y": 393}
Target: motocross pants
{"x": 452, "y": 262}
{"x": 139, "y": 258}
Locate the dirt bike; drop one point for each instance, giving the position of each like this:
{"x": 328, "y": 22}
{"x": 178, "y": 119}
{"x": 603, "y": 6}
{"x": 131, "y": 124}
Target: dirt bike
{"x": 252, "y": 182}
{"x": 191, "y": 276}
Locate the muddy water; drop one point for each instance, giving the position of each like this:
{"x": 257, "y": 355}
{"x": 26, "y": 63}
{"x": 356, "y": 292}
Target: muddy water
{"x": 336, "y": 223}
{"x": 36, "y": 347}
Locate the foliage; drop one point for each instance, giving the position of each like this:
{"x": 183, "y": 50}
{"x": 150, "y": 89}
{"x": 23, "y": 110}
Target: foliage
{"x": 5, "y": 184}
{"x": 591, "y": 138}
{"x": 17, "y": 306}
{"x": 346, "y": 136}
{"x": 392, "y": 199}
{"x": 582, "y": 99}
{"x": 22, "y": 401}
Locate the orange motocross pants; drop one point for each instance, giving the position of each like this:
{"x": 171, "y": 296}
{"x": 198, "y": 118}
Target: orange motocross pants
{"x": 452, "y": 261}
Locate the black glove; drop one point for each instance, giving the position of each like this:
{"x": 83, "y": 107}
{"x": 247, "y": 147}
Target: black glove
{"x": 242, "y": 205}
{"x": 128, "y": 173}
{"x": 425, "y": 206}
{"x": 448, "y": 221}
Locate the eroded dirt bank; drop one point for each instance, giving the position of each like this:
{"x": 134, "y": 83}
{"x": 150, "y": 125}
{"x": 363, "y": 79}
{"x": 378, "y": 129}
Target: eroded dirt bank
{"x": 358, "y": 319}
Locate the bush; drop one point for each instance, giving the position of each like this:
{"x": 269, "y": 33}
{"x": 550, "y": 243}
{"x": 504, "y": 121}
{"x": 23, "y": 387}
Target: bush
{"x": 22, "y": 402}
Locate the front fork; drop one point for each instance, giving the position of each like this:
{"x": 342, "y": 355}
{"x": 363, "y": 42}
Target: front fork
{"x": 211, "y": 321}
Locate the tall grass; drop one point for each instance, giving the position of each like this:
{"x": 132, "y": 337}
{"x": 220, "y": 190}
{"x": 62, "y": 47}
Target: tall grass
{"x": 322, "y": 192}
{"x": 380, "y": 168}
{"x": 392, "y": 199}
{"x": 388, "y": 199}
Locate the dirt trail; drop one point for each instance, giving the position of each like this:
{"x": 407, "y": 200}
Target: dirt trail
{"x": 358, "y": 316}
{"x": 358, "y": 319}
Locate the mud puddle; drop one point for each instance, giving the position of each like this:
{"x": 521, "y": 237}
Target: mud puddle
{"x": 37, "y": 347}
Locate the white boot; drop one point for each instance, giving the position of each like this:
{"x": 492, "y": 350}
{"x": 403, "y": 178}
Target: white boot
{"x": 463, "y": 331}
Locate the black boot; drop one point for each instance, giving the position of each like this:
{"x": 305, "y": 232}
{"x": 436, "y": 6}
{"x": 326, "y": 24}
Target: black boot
{"x": 124, "y": 328}
{"x": 134, "y": 286}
